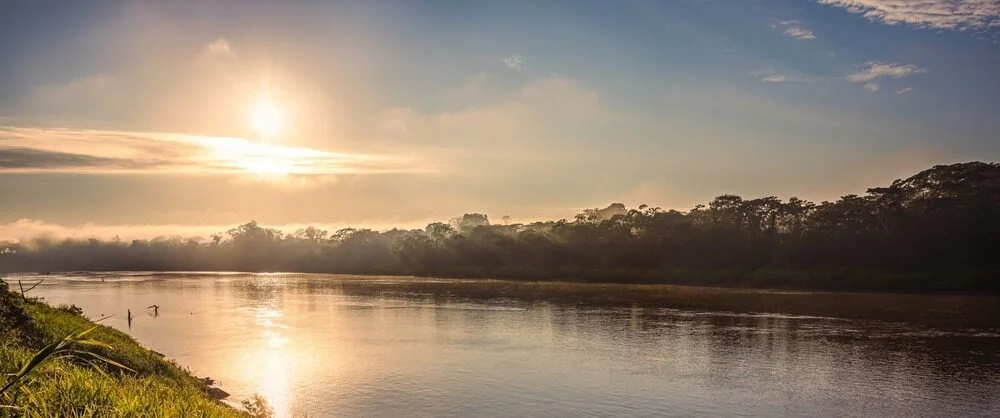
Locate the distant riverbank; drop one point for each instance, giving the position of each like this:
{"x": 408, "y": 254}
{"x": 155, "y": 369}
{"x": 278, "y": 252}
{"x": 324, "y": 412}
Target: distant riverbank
{"x": 837, "y": 280}
{"x": 840, "y": 280}
{"x": 936, "y": 231}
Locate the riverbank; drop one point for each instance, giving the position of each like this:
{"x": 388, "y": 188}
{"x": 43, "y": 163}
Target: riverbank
{"x": 63, "y": 387}
{"x": 835, "y": 280}
{"x": 972, "y": 282}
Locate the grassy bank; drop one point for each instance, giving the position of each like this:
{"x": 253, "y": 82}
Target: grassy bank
{"x": 74, "y": 388}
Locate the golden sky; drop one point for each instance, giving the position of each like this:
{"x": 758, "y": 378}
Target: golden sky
{"x": 153, "y": 118}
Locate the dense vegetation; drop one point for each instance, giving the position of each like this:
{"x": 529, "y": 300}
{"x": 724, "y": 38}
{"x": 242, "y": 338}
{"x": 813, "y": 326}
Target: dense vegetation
{"x": 937, "y": 230}
{"x": 72, "y": 387}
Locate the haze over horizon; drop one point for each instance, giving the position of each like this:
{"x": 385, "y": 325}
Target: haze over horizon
{"x": 156, "y": 118}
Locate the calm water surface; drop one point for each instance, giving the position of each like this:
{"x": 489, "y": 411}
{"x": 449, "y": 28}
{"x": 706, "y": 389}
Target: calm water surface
{"x": 355, "y": 346}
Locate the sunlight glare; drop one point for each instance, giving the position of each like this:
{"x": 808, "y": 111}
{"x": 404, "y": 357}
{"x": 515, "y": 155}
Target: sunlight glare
{"x": 265, "y": 166}
{"x": 267, "y": 119}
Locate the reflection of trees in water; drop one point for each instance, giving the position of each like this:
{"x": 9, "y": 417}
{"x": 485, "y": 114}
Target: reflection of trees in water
{"x": 722, "y": 349}
{"x": 941, "y": 311}
{"x": 260, "y": 292}
{"x": 814, "y": 353}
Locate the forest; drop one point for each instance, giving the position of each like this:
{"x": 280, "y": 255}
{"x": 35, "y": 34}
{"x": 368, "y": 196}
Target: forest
{"x": 938, "y": 230}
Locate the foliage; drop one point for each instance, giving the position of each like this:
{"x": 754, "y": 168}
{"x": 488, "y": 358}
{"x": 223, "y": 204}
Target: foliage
{"x": 937, "y": 230}
{"x": 13, "y": 319}
{"x": 64, "y": 348}
{"x": 257, "y": 407}
{"x": 71, "y": 309}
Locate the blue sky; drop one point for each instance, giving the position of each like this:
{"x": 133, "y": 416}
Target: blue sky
{"x": 135, "y": 115}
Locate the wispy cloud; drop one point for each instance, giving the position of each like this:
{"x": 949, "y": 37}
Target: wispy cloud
{"x": 776, "y": 77}
{"x": 867, "y": 73}
{"x": 44, "y": 150}
{"x": 799, "y": 33}
{"x": 795, "y": 29}
{"x": 904, "y": 90}
{"x": 874, "y": 69}
{"x": 512, "y": 128}
{"x": 935, "y": 14}
{"x": 16, "y": 158}
{"x": 74, "y": 92}
{"x": 515, "y": 62}
{"x": 220, "y": 48}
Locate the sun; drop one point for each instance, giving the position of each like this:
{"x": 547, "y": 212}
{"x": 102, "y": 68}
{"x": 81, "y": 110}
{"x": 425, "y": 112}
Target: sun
{"x": 267, "y": 119}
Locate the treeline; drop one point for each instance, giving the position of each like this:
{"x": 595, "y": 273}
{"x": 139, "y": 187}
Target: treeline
{"x": 937, "y": 230}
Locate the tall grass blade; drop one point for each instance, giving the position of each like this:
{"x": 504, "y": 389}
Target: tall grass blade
{"x": 103, "y": 359}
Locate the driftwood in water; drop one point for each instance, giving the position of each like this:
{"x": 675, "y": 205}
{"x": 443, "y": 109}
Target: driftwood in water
{"x": 23, "y": 290}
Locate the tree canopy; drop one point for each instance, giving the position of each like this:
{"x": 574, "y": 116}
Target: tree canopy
{"x": 936, "y": 230}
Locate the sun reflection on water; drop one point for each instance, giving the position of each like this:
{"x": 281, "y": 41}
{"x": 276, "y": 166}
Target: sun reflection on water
{"x": 274, "y": 380}
{"x": 275, "y": 340}
{"x": 272, "y": 362}
{"x": 283, "y": 356}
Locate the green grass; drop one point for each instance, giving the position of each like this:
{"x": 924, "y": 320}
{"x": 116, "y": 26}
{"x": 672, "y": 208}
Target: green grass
{"x": 62, "y": 387}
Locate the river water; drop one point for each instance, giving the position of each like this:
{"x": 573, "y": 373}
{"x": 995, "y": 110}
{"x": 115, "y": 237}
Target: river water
{"x": 352, "y": 346}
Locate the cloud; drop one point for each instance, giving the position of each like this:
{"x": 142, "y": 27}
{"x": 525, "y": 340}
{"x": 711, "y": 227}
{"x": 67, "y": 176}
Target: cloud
{"x": 168, "y": 87}
{"x": 775, "y": 77}
{"x": 82, "y": 91}
{"x": 904, "y": 90}
{"x": 799, "y": 33}
{"x": 934, "y": 14}
{"x": 220, "y": 49}
{"x": 48, "y": 150}
{"x": 14, "y": 158}
{"x": 474, "y": 89}
{"x": 866, "y": 73}
{"x": 795, "y": 29}
{"x": 874, "y": 69}
{"x": 28, "y": 230}
{"x": 515, "y": 62}
{"x": 541, "y": 112}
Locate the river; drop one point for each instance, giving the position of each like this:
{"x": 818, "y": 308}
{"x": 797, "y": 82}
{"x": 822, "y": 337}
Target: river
{"x": 353, "y": 346}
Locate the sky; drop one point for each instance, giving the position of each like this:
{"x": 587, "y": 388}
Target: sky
{"x": 143, "y": 118}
